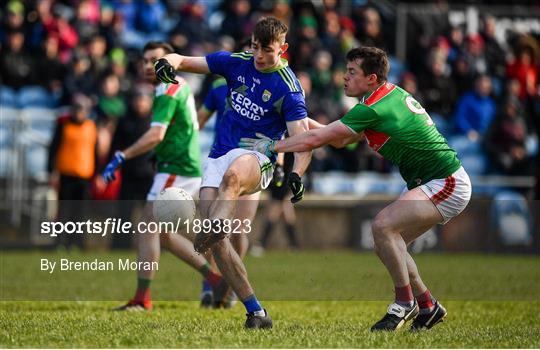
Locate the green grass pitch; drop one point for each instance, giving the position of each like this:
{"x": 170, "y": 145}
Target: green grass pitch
{"x": 317, "y": 299}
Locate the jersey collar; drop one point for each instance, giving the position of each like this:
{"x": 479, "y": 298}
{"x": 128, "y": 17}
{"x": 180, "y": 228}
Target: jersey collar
{"x": 368, "y": 95}
{"x": 284, "y": 63}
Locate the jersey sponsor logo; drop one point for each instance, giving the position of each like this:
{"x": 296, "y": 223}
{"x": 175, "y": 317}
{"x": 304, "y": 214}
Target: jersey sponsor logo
{"x": 245, "y": 107}
{"x": 376, "y": 139}
{"x": 266, "y": 95}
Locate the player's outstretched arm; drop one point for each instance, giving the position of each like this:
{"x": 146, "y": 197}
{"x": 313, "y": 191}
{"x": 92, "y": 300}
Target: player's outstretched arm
{"x": 145, "y": 143}
{"x": 301, "y": 158}
{"x": 336, "y": 134}
{"x": 150, "y": 139}
{"x": 191, "y": 64}
{"x": 313, "y": 124}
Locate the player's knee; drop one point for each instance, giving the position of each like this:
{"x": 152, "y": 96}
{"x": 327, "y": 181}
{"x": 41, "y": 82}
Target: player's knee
{"x": 381, "y": 229}
{"x": 380, "y": 225}
{"x": 231, "y": 181}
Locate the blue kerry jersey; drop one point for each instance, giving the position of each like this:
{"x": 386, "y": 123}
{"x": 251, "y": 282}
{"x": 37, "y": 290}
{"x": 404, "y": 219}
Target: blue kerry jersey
{"x": 257, "y": 102}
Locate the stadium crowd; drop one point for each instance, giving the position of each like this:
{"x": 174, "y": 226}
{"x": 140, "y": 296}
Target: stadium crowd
{"x": 483, "y": 94}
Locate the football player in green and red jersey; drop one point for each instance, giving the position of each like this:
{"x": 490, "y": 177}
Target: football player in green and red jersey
{"x": 438, "y": 188}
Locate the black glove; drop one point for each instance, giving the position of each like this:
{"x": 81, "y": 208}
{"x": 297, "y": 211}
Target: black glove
{"x": 279, "y": 175}
{"x": 165, "y": 71}
{"x": 297, "y": 187}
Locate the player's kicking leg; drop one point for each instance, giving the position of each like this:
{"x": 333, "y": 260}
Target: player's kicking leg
{"x": 243, "y": 176}
{"x": 245, "y": 212}
{"x": 410, "y": 216}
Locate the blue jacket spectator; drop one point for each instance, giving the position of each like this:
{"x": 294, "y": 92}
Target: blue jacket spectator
{"x": 150, "y": 15}
{"x": 476, "y": 109}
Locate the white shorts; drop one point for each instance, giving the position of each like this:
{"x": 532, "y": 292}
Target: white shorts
{"x": 164, "y": 180}
{"x": 450, "y": 195}
{"x": 215, "y": 168}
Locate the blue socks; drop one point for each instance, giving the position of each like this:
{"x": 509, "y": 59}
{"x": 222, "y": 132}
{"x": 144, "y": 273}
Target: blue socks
{"x": 206, "y": 287}
{"x": 252, "y": 304}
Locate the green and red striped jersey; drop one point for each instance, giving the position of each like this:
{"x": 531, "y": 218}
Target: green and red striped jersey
{"x": 399, "y": 129}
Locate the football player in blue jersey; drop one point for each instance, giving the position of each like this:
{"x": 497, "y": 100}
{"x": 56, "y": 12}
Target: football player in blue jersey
{"x": 263, "y": 96}
{"x": 246, "y": 208}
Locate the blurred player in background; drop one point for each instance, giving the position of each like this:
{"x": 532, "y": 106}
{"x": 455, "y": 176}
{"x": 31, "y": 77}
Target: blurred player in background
{"x": 279, "y": 205}
{"x": 438, "y": 188}
{"x": 174, "y": 136}
{"x": 263, "y": 96}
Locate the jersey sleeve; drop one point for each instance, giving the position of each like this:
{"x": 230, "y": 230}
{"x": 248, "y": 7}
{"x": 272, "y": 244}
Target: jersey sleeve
{"x": 219, "y": 62}
{"x": 360, "y": 118}
{"x": 210, "y": 101}
{"x": 294, "y": 107}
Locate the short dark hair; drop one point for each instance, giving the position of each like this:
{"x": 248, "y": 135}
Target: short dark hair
{"x": 152, "y": 45}
{"x": 374, "y": 61}
{"x": 269, "y": 30}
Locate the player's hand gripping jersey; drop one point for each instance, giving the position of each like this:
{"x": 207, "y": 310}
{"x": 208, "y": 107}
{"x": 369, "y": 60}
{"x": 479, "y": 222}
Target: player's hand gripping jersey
{"x": 257, "y": 102}
{"x": 174, "y": 107}
{"x": 399, "y": 129}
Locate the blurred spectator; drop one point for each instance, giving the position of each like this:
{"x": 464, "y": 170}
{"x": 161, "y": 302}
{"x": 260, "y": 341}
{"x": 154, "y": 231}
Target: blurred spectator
{"x": 330, "y": 38}
{"x": 321, "y": 75}
{"x": 193, "y": 24}
{"x": 14, "y": 19}
{"x": 475, "y": 55}
{"x": 301, "y": 54}
{"x": 72, "y": 160}
{"x": 137, "y": 173}
{"x": 97, "y": 48}
{"x": 371, "y": 33}
{"x": 51, "y": 70}
{"x": 437, "y": 87}
{"x": 505, "y": 141}
{"x": 475, "y": 110}
{"x": 87, "y": 18}
{"x": 456, "y": 43}
{"x": 141, "y": 21}
{"x": 495, "y": 54}
{"x": 462, "y": 75}
{"x": 118, "y": 66}
{"x": 150, "y": 14}
{"x": 282, "y": 11}
{"x": 410, "y": 84}
{"x": 17, "y": 67}
{"x": 58, "y": 25}
{"x": 237, "y": 22}
{"x": 525, "y": 71}
{"x": 111, "y": 25}
{"x": 78, "y": 78}
{"x": 111, "y": 105}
